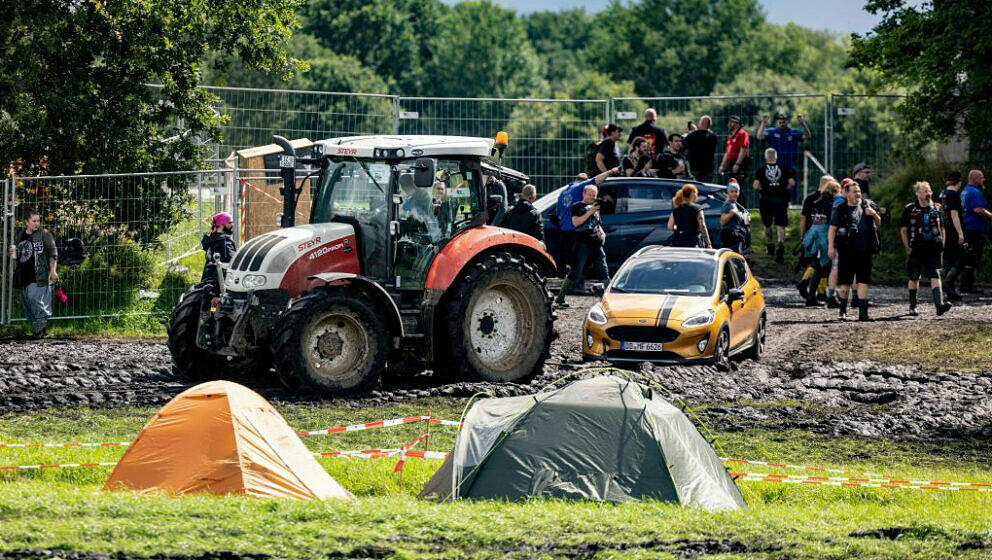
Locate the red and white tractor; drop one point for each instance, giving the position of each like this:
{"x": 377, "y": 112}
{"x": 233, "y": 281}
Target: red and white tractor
{"x": 397, "y": 269}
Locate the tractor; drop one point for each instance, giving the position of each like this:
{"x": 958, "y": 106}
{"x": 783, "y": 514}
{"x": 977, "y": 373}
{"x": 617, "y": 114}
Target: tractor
{"x": 398, "y": 271}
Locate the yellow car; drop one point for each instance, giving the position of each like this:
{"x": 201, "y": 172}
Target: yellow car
{"x": 673, "y": 305}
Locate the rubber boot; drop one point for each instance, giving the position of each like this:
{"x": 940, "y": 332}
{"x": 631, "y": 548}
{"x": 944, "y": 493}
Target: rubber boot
{"x": 812, "y": 301}
{"x": 832, "y": 301}
{"x": 938, "y": 302}
{"x": 780, "y": 254}
{"x": 566, "y": 285}
{"x": 855, "y": 302}
{"x": 843, "y": 309}
{"x": 802, "y": 286}
{"x": 968, "y": 281}
{"x": 771, "y": 249}
{"x": 863, "y": 310}
{"x": 912, "y": 303}
{"x": 950, "y": 283}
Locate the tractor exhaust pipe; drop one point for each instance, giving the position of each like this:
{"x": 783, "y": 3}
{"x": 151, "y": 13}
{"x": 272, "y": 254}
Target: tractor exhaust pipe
{"x": 287, "y": 170}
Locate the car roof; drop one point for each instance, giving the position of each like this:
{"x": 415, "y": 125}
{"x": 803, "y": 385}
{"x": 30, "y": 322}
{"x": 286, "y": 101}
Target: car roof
{"x": 679, "y": 253}
{"x": 549, "y": 199}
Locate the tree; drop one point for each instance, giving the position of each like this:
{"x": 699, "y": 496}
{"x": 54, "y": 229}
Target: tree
{"x": 75, "y": 98}
{"x": 560, "y": 40}
{"x": 939, "y": 51}
{"x": 787, "y": 51}
{"x": 395, "y": 38}
{"x": 671, "y": 47}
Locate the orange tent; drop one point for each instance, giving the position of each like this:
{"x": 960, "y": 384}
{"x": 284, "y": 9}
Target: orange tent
{"x": 222, "y": 438}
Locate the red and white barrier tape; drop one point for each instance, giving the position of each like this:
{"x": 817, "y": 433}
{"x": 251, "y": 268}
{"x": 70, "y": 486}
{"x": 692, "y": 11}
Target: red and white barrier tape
{"x": 380, "y": 453}
{"x": 101, "y": 444}
{"x": 341, "y": 429}
{"x": 62, "y": 466}
{"x": 898, "y": 481}
{"x": 802, "y": 467}
{"x": 755, "y": 477}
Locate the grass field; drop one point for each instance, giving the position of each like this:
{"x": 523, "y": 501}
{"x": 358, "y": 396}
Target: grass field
{"x": 66, "y": 509}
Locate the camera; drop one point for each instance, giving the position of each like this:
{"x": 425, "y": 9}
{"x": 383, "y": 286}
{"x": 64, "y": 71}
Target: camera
{"x": 598, "y": 201}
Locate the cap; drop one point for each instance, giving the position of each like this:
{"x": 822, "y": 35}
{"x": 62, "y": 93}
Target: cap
{"x": 734, "y": 118}
{"x": 611, "y": 128}
{"x": 781, "y": 116}
{"x": 861, "y": 166}
{"x": 847, "y": 182}
{"x": 733, "y": 186}
{"x": 954, "y": 177}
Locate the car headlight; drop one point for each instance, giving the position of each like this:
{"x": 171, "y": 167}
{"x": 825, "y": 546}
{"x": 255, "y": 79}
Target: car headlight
{"x": 253, "y": 281}
{"x": 596, "y": 315}
{"x": 700, "y": 319}
{"x": 589, "y": 340}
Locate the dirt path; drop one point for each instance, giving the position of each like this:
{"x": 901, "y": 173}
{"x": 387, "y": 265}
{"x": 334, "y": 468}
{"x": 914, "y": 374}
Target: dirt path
{"x": 798, "y": 384}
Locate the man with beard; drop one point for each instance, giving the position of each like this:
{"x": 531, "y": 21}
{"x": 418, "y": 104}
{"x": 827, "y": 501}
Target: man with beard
{"x": 923, "y": 238}
{"x": 735, "y": 150}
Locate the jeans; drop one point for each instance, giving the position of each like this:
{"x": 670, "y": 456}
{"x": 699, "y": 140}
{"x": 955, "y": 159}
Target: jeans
{"x": 37, "y": 302}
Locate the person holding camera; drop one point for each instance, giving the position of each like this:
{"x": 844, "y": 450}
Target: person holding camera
{"x": 687, "y": 220}
{"x": 923, "y": 238}
{"x": 851, "y": 239}
{"x": 588, "y": 240}
{"x": 735, "y": 223}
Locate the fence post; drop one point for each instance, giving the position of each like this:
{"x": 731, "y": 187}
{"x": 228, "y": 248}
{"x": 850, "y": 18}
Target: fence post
{"x": 6, "y": 258}
{"x": 828, "y": 119}
{"x": 609, "y": 110}
{"x": 396, "y": 115}
{"x": 8, "y": 287}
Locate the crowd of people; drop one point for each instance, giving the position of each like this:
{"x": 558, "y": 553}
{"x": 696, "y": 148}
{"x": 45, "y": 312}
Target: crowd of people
{"x": 839, "y": 223}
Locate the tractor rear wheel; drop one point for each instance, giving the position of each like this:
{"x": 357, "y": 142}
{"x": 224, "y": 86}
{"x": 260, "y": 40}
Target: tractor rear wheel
{"x": 499, "y": 321}
{"x": 189, "y": 361}
{"x": 331, "y": 341}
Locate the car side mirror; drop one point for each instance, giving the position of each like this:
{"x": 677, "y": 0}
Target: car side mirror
{"x": 424, "y": 173}
{"x": 735, "y": 294}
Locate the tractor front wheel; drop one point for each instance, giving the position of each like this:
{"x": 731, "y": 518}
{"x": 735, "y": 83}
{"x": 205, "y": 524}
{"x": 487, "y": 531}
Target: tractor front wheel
{"x": 189, "y": 361}
{"x": 499, "y": 320}
{"x": 331, "y": 341}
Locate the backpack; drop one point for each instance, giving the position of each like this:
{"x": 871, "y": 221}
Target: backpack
{"x": 850, "y": 229}
{"x": 72, "y": 251}
{"x": 590, "y": 156}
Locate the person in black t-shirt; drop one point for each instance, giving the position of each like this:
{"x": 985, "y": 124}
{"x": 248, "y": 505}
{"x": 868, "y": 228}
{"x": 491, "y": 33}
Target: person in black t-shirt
{"x": 954, "y": 243}
{"x": 816, "y": 244}
{"x": 650, "y": 131}
{"x": 774, "y": 183}
{"x": 700, "y": 145}
{"x": 687, "y": 220}
{"x": 805, "y": 221}
{"x": 671, "y": 163}
{"x": 851, "y": 238}
{"x": 587, "y": 243}
{"x": 735, "y": 223}
{"x": 923, "y": 238}
{"x": 637, "y": 162}
{"x": 608, "y": 156}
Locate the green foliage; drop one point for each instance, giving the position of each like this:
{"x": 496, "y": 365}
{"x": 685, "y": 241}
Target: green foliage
{"x": 482, "y": 51}
{"x": 785, "y": 53}
{"x": 671, "y": 47}
{"x": 560, "y": 39}
{"x": 394, "y": 39}
{"x": 939, "y": 51}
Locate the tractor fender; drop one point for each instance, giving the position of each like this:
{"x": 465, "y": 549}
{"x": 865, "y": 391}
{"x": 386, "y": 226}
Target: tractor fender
{"x": 470, "y": 244}
{"x": 371, "y": 287}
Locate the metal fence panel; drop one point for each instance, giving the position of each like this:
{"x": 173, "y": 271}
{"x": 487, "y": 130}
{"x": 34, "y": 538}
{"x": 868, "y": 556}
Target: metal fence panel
{"x": 548, "y": 137}
{"x": 142, "y": 233}
{"x": 674, "y": 113}
{"x": 865, "y": 128}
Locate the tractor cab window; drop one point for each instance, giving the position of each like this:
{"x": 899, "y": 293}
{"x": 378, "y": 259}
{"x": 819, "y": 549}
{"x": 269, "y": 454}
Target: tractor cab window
{"x": 428, "y": 216}
{"x": 356, "y": 192}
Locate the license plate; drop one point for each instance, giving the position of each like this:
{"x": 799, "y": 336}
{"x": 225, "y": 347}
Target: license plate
{"x": 642, "y": 346}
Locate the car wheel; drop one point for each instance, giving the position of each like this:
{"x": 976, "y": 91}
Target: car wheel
{"x": 758, "y": 343}
{"x": 721, "y": 353}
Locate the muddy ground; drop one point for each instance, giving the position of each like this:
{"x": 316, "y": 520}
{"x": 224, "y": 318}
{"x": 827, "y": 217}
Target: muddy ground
{"x": 796, "y": 385}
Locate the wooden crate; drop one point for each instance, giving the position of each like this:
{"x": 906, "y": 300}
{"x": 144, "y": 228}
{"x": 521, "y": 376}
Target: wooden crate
{"x": 261, "y": 202}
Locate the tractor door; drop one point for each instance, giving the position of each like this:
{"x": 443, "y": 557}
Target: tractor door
{"x": 429, "y": 217}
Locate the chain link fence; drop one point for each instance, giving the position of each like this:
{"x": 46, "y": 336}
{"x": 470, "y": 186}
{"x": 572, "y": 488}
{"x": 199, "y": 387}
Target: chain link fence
{"x": 142, "y": 231}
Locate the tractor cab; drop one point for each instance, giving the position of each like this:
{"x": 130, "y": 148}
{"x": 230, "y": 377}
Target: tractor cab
{"x": 398, "y": 268}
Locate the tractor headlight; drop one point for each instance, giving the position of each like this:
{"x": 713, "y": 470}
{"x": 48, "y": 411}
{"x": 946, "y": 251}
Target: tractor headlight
{"x": 253, "y": 281}
{"x": 700, "y": 319}
{"x": 596, "y": 315}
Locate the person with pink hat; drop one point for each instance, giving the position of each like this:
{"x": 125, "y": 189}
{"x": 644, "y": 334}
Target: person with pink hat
{"x": 218, "y": 242}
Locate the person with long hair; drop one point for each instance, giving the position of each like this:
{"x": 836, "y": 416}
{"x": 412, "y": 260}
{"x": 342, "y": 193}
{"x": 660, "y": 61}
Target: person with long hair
{"x": 687, "y": 220}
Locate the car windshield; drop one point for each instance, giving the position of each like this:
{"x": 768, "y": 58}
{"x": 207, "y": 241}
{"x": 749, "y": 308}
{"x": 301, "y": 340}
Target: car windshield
{"x": 658, "y": 276}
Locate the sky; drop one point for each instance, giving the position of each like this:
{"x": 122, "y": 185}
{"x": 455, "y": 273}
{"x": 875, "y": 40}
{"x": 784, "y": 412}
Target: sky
{"x": 840, "y": 16}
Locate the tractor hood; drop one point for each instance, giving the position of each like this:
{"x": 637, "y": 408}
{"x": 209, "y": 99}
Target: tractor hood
{"x": 285, "y": 258}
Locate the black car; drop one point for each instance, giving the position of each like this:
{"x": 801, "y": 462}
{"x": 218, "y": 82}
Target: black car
{"x": 639, "y": 217}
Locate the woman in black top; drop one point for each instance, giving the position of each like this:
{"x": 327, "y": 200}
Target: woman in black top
{"x": 687, "y": 220}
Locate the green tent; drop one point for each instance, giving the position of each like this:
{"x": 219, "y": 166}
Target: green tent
{"x": 605, "y": 438}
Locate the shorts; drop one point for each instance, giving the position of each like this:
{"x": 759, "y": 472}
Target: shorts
{"x": 922, "y": 262}
{"x": 774, "y": 209}
{"x": 851, "y": 264}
